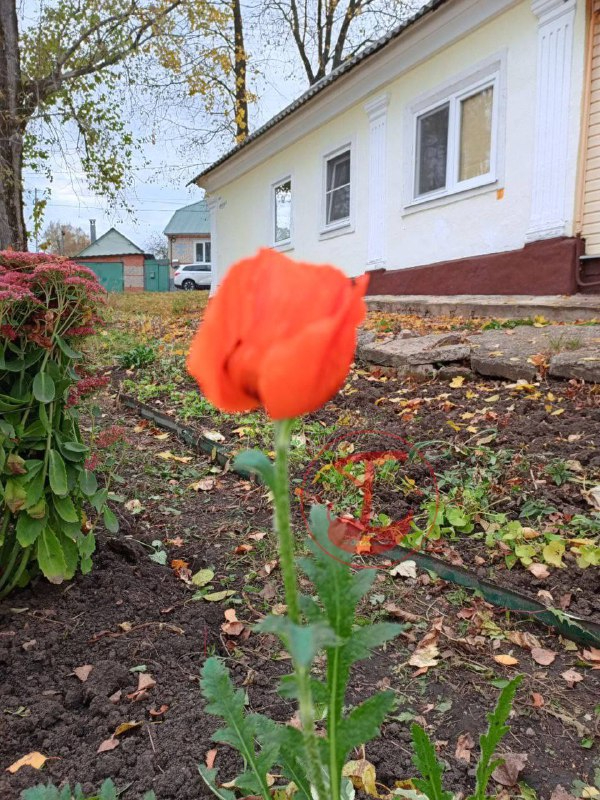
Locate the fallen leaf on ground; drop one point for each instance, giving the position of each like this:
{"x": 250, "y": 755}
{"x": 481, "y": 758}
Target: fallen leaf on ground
{"x": 506, "y": 661}
{"x": 406, "y": 569}
{"x": 542, "y": 656}
{"x": 507, "y": 773}
{"x": 363, "y": 776}
{"x": 202, "y": 577}
{"x": 457, "y": 382}
{"x": 216, "y": 597}
{"x": 209, "y": 758}
{"x": 214, "y": 436}
{"x": 114, "y": 698}
{"x": 179, "y": 563}
{"x": 537, "y": 701}
{"x": 267, "y": 568}
{"x": 108, "y": 744}
{"x": 158, "y": 712}
{"x": 176, "y": 542}
{"x": 83, "y": 672}
{"x": 145, "y": 682}
{"x": 126, "y": 726}
{"x": 204, "y": 485}
{"x": 167, "y": 455}
{"x": 593, "y": 497}
{"x": 540, "y": 571}
{"x": 35, "y": 760}
{"x": 233, "y": 627}
{"x": 592, "y": 654}
{"x": 523, "y": 639}
{"x": 134, "y": 506}
{"x": 242, "y": 549}
{"x": 426, "y": 653}
{"x": 464, "y": 745}
{"x": 572, "y": 677}
{"x": 400, "y": 613}
{"x": 560, "y": 793}
{"x": 256, "y": 537}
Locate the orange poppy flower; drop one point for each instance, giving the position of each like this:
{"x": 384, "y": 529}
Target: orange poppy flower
{"x": 278, "y": 334}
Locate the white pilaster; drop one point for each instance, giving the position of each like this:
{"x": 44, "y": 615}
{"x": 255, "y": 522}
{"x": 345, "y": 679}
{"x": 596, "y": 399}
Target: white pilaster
{"x": 376, "y": 240}
{"x": 214, "y": 202}
{"x": 554, "y": 60}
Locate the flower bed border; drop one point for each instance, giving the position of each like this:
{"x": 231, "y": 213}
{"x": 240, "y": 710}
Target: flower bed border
{"x": 579, "y": 630}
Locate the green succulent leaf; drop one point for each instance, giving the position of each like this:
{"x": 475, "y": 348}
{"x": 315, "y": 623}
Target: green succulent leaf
{"x": 43, "y": 388}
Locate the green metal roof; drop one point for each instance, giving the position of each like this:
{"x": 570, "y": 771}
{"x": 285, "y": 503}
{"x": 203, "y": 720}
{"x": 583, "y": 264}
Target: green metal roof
{"x": 111, "y": 243}
{"x": 191, "y": 219}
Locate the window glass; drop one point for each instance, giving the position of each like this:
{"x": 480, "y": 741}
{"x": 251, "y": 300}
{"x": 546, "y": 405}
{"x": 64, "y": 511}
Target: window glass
{"x": 337, "y": 195}
{"x": 476, "y": 134}
{"x": 432, "y": 150}
{"x": 203, "y": 252}
{"x": 282, "y": 203}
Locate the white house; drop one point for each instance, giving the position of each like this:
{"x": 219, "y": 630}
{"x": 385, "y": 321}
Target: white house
{"x": 458, "y": 154}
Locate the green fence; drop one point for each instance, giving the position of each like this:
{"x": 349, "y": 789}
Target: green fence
{"x": 156, "y": 275}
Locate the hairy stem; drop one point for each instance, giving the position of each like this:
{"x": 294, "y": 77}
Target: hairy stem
{"x": 285, "y": 537}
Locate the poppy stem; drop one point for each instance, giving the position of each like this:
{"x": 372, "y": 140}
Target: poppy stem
{"x": 281, "y": 502}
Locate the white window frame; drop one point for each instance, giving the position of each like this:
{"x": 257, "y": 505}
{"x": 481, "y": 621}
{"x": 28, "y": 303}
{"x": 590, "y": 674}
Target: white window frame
{"x": 284, "y": 244}
{"x": 490, "y": 73}
{"x": 203, "y": 242}
{"x": 345, "y": 225}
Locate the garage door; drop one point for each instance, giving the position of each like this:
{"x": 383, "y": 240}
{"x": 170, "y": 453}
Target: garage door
{"x": 109, "y": 273}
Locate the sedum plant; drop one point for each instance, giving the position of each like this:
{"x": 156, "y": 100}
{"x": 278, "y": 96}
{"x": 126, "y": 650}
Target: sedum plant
{"x": 281, "y": 335}
{"x": 47, "y": 306}
{"x": 108, "y": 791}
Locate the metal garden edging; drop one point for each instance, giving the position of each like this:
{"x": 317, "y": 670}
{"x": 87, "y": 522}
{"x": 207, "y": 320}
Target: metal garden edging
{"x": 574, "y": 628}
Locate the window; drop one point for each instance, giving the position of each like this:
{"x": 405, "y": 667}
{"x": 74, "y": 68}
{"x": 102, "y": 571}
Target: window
{"x": 197, "y": 268}
{"x": 282, "y": 212}
{"x": 203, "y": 252}
{"x": 455, "y": 142}
{"x": 337, "y": 188}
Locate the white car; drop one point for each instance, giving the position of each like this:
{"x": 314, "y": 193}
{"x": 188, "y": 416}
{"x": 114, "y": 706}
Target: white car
{"x": 193, "y": 276}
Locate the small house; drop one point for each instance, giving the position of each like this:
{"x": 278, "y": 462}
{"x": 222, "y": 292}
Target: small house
{"x": 188, "y": 234}
{"x": 459, "y": 154}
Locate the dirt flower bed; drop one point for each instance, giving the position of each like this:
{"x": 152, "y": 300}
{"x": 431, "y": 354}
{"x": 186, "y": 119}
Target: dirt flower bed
{"x": 134, "y": 617}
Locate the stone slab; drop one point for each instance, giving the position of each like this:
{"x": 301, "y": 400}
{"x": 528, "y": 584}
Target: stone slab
{"x": 584, "y": 365}
{"x": 429, "y": 349}
{"x": 573, "y": 351}
{"x": 556, "y": 308}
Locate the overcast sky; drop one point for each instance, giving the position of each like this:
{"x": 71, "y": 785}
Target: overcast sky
{"x": 160, "y": 174}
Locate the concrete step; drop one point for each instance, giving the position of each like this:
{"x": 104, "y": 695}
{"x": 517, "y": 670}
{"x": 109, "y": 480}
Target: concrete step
{"x": 556, "y": 308}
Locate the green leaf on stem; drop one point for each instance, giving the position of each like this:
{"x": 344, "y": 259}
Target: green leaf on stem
{"x": 28, "y": 529}
{"x": 227, "y": 702}
{"x": 302, "y": 641}
{"x": 209, "y": 776}
{"x": 67, "y": 349}
{"x": 88, "y": 482}
{"x": 257, "y": 463}
{"x": 57, "y": 473}
{"x": 110, "y": 520}
{"x": 50, "y": 557}
{"x": 65, "y": 509}
{"x": 43, "y": 388}
{"x": 426, "y": 761}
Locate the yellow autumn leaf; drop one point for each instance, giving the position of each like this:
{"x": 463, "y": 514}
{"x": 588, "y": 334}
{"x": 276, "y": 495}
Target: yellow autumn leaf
{"x": 167, "y": 455}
{"x": 457, "y": 382}
{"x": 363, "y": 776}
{"x": 35, "y": 760}
{"x": 506, "y": 661}
{"x": 453, "y": 425}
{"x": 470, "y": 394}
{"x": 216, "y": 597}
{"x": 553, "y": 552}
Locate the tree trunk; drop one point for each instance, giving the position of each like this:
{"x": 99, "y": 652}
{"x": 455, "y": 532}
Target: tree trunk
{"x": 240, "y": 65}
{"x": 12, "y": 223}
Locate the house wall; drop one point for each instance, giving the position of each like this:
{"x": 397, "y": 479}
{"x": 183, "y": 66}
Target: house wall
{"x": 497, "y": 218}
{"x": 133, "y": 269}
{"x": 183, "y": 248}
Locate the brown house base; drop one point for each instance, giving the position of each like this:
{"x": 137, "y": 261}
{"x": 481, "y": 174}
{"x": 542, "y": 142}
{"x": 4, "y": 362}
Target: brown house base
{"x": 540, "y": 268}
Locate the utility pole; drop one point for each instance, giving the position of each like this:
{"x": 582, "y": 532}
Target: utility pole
{"x": 35, "y": 198}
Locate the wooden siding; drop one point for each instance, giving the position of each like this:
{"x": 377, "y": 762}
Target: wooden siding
{"x": 591, "y": 175}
